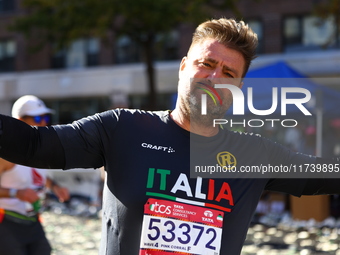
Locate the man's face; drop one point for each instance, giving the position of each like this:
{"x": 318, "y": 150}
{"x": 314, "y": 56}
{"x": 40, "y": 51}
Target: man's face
{"x": 209, "y": 63}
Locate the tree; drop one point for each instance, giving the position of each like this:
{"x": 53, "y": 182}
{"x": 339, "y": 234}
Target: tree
{"x": 326, "y": 9}
{"x": 62, "y": 21}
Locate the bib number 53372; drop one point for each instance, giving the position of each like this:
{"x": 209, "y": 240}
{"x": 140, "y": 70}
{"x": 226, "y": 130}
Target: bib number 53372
{"x": 187, "y": 234}
{"x": 172, "y": 228}
{"x": 177, "y": 235}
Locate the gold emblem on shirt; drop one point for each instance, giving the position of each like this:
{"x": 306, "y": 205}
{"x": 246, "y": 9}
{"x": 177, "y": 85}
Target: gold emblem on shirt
{"x": 226, "y": 159}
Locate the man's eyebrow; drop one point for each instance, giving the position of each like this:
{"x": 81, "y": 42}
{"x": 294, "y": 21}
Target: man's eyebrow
{"x": 230, "y": 69}
{"x": 212, "y": 60}
{"x": 227, "y": 68}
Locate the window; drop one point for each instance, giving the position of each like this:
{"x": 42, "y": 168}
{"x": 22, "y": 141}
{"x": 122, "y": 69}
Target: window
{"x": 58, "y": 59}
{"x": 92, "y": 49}
{"x": 165, "y": 48}
{"x": 257, "y": 27}
{"x": 127, "y": 51}
{"x": 163, "y": 101}
{"x": 70, "y": 109}
{"x": 81, "y": 53}
{"x": 292, "y": 31}
{"x": 7, "y": 56}
{"x": 309, "y": 33}
{"x": 6, "y": 5}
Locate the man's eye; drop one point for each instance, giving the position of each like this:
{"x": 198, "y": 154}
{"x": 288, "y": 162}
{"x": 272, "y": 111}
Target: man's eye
{"x": 229, "y": 75}
{"x": 205, "y": 64}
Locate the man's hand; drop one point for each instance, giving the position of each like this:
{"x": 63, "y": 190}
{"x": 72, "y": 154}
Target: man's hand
{"x": 28, "y": 195}
{"x": 62, "y": 193}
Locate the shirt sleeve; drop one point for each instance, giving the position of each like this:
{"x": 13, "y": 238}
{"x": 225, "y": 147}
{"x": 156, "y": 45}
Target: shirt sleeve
{"x": 329, "y": 184}
{"x": 30, "y": 146}
{"x": 84, "y": 141}
{"x": 281, "y": 155}
{"x": 308, "y": 182}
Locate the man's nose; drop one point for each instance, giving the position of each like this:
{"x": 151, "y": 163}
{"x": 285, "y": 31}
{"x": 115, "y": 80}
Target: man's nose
{"x": 43, "y": 123}
{"x": 213, "y": 74}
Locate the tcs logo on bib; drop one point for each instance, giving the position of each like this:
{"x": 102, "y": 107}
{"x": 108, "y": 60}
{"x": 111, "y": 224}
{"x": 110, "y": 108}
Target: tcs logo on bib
{"x": 158, "y": 208}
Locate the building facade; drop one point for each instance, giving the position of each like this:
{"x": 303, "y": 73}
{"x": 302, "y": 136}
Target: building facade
{"x": 91, "y": 76}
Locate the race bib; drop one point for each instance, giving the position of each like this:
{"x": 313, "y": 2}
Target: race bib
{"x": 170, "y": 227}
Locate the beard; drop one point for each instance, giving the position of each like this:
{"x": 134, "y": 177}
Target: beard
{"x": 190, "y": 100}
{"x": 214, "y": 111}
{"x": 191, "y": 105}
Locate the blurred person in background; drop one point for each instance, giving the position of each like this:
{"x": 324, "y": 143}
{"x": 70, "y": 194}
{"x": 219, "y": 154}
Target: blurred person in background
{"x": 309, "y": 145}
{"x": 85, "y": 188}
{"x": 333, "y": 137}
{"x": 294, "y": 137}
{"x": 22, "y": 190}
{"x": 331, "y": 146}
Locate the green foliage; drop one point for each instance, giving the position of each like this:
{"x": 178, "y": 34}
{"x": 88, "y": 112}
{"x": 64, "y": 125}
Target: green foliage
{"x": 62, "y": 21}
{"x": 59, "y": 22}
{"x": 326, "y": 9}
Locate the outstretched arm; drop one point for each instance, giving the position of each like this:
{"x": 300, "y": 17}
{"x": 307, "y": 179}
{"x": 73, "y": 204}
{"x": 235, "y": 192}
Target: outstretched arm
{"x": 32, "y": 146}
{"x": 322, "y": 186}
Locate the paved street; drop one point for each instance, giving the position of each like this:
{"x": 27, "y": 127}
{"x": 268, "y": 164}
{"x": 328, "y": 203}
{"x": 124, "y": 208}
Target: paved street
{"x": 80, "y": 235}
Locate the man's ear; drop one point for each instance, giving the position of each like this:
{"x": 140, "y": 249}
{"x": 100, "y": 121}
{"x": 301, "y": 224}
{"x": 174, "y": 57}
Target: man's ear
{"x": 241, "y": 84}
{"x": 182, "y": 65}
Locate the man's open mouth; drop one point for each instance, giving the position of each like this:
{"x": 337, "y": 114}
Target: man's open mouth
{"x": 211, "y": 91}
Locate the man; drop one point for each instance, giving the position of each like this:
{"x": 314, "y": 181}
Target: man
{"x": 150, "y": 203}
{"x": 21, "y": 191}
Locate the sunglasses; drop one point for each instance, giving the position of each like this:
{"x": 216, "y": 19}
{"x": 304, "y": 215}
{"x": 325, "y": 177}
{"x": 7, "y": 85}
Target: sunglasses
{"x": 38, "y": 119}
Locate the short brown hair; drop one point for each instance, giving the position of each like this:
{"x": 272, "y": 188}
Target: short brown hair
{"x": 234, "y": 35}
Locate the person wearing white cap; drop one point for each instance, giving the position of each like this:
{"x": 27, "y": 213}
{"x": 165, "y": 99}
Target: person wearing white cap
{"x": 22, "y": 188}
{"x": 32, "y": 109}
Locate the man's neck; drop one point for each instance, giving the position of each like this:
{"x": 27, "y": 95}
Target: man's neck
{"x": 184, "y": 122}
